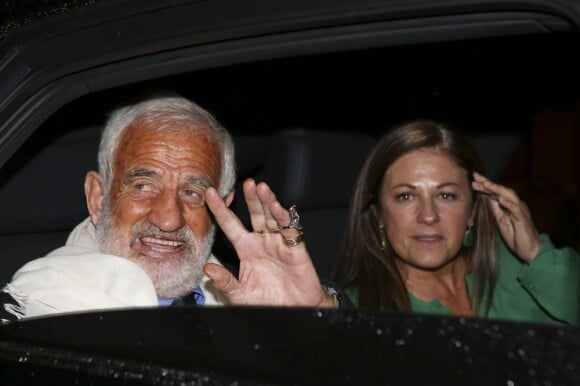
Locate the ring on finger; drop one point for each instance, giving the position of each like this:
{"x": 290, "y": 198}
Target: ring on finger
{"x": 295, "y": 241}
{"x": 295, "y": 222}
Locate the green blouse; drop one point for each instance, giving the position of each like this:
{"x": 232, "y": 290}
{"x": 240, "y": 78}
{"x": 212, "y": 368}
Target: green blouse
{"x": 543, "y": 291}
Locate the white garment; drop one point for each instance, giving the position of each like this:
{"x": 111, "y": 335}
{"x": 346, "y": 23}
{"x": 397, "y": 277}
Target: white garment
{"x": 77, "y": 278}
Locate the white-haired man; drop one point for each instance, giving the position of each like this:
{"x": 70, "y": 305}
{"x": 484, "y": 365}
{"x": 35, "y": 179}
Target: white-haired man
{"x": 165, "y": 167}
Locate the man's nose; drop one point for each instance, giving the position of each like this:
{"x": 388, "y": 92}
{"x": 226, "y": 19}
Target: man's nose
{"x": 167, "y": 212}
{"x": 428, "y": 213}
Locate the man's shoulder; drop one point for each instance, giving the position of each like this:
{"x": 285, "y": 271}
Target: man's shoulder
{"x": 78, "y": 282}
{"x": 7, "y": 305}
{"x": 83, "y": 235}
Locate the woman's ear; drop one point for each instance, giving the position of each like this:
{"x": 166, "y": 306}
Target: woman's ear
{"x": 473, "y": 212}
{"x": 94, "y": 195}
{"x": 375, "y": 212}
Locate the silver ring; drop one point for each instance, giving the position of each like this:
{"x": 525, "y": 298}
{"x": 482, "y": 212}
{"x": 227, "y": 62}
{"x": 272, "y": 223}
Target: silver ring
{"x": 295, "y": 222}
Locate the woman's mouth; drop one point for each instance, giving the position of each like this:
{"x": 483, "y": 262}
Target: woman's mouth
{"x": 428, "y": 238}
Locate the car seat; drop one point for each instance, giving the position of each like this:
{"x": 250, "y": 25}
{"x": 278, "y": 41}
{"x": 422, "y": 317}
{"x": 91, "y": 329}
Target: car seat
{"x": 316, "y": 171}
{"x": 41, "y": 194}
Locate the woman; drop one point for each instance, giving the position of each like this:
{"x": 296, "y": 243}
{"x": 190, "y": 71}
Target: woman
{"x": 428, "y": 232}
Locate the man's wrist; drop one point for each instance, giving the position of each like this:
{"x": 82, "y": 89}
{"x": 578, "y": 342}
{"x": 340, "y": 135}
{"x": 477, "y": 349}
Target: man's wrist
{"x": 331, "y": 299}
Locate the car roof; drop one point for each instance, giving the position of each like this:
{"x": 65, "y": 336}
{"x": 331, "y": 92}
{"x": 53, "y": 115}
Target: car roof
{"x": 92, "y": 46}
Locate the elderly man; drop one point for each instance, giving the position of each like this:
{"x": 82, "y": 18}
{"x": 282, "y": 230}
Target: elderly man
{"x": 165, "y": 166}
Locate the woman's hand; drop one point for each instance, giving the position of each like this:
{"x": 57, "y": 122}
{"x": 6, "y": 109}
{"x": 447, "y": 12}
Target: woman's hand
{"x": 275, "y": 267}
{"x": 513, "y": 218}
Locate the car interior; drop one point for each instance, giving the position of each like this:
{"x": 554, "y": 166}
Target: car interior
{"x": 306, "y": 88}
{"x": 305, "y": 124}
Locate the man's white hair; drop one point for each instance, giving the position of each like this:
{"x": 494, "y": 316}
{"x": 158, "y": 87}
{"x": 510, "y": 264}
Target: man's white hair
{"x": 167, "y": 114}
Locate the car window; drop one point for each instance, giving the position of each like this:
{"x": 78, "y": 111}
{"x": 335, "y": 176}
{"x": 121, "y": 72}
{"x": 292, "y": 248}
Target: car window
{"x": 520, "y": 112}
{"x": 328, "y": 82}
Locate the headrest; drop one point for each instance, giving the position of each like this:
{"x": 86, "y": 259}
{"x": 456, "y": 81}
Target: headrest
{"x": 315, "y": 169}
{"x": 41, "y": 187}
{"x": 495, "y": 150}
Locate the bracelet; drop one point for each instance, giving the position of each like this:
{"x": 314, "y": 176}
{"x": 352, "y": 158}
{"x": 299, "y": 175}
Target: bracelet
{"x": 334, "y": 293}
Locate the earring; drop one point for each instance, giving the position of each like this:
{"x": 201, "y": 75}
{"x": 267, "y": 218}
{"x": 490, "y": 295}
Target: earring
{"x": 382, "y": 238}
{"x": 468, "y": 236}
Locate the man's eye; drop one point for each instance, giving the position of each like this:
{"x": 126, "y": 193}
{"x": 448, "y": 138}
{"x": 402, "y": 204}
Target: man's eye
{"x": 141, "y": 186}
{"x": 192, "y": 193}
{"x": 195, "y": 196}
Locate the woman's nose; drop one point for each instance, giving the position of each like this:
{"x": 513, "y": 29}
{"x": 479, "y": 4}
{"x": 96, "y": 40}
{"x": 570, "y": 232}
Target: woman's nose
{"x": 428, "y": 213}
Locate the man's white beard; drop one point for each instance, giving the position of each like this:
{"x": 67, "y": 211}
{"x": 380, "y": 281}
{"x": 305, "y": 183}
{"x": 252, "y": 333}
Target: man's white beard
{"x": 172, "y": 278}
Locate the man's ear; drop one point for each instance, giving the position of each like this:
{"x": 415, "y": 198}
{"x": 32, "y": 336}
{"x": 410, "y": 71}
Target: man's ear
{"x": 229, "y": 198}
{"x": 94, "y": 195}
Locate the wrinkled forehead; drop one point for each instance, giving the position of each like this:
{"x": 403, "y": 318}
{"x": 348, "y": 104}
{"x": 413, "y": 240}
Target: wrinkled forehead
{"x": 177, "y": 143}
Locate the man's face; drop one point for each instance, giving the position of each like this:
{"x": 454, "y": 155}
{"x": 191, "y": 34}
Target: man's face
{"x": 155, "y": 213}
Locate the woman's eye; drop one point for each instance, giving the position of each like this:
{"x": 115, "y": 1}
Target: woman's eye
{"x": 447, "y": 196}
{"x": 404, "y": 197}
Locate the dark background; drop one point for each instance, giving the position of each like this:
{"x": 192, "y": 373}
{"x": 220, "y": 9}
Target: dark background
{"x": 526, "y": 85}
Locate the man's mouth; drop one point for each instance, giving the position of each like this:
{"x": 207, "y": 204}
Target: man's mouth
{"x": 169, "y": 243}
{"x": 162, "y": 246}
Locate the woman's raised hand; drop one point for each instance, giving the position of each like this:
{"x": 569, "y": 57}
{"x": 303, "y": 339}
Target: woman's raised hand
{"x": 513, "y": 218}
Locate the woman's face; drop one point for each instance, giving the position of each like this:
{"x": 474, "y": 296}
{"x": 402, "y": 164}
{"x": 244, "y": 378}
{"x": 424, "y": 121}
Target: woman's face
{"x": 425, "y": 204}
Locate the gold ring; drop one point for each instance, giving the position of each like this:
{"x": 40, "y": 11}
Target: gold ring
{"x": 295, "y": 241}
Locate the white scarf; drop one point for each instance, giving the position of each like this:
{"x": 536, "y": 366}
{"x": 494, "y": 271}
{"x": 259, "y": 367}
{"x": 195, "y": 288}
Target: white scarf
{"x": 77, "y": 278}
